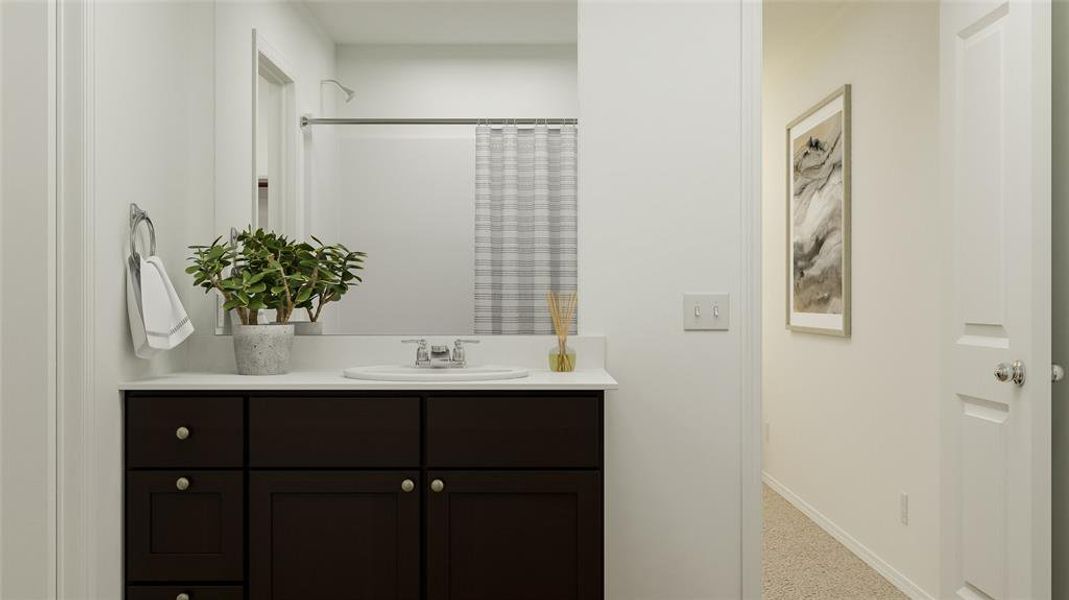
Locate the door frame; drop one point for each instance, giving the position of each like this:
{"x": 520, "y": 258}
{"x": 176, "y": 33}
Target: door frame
{"x": 33, "y": 505}
{"x": 750, "y": 253}
{"x": 269, "y": 62}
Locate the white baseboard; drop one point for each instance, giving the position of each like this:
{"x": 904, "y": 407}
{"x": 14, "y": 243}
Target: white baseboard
{"x": 897, "y": 579}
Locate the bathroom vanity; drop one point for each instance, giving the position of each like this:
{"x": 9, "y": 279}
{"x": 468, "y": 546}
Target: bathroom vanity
{"x": 309, "y": 487}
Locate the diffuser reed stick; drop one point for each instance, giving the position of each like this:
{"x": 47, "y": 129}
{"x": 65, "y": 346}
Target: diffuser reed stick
{"x": 562, "y": 311}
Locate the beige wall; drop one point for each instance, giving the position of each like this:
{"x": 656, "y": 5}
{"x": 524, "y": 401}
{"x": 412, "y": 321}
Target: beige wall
{"x": 853, "y": 422}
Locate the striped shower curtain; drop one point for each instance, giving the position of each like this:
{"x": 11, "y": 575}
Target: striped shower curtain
{"x": 525, "y": 225}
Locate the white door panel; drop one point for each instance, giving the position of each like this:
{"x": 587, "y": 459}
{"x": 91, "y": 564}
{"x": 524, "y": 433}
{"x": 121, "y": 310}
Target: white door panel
{"x": 996, "y": 473}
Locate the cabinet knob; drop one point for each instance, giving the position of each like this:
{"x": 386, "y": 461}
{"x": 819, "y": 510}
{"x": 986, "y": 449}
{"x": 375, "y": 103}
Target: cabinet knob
{"x": 182, "y": 596}
{"x": 437, "y": 485}
{"x": 181, "y": 433}
{"x": 182, "y": 484}
{"x": 407, "y": 485}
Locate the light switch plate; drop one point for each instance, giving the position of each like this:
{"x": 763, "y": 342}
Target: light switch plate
{"x": 706, "y": 312}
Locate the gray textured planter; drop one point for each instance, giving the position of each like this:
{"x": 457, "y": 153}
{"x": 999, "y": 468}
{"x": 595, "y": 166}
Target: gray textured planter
{"x": 263, "y": 349}
{"x": 308, "y": 328}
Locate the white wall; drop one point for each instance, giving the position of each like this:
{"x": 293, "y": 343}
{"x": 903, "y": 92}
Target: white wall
{"x": 659, "y": 215}
{"x": 854, "y": 422}
{"x": 415, "y": 81}
{"x": 406, "y": 194}
{"x": 27, "y": 400}
{"x": 153, "y": 146}
{"x": 1060, "y": 337}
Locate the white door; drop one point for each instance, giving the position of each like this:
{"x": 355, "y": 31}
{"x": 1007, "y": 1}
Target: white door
{"x": 996, "y": 479}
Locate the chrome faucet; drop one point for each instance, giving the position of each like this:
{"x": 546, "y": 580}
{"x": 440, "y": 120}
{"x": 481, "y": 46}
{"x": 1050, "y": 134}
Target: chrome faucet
{"x": 439, "y": 356}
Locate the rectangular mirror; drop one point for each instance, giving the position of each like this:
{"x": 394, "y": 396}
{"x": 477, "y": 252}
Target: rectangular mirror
{"x": 441, "y": 138}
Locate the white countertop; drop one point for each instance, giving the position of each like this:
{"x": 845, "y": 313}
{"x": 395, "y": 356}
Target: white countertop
{"x": 585, "y": 379}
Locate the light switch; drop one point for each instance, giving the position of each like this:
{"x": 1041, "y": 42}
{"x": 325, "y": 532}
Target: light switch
{"x": 706, "y": 312}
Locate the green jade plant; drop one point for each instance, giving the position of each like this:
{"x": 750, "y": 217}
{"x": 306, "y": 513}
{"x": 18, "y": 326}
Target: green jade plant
{"x": 326, "y": 274}
{"x": 269, "y": 271}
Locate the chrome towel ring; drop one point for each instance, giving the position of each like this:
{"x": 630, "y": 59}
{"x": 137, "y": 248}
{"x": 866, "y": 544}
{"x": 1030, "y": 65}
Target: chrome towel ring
{"x": 137, "y": 217}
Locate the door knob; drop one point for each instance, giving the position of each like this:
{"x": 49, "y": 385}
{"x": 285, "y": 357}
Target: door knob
{"x": 437, "y": 485}
{"x": 1057, "y": 373}
{"x": 182, "y": 596}
{"x": 1012, "y": 372}
{"x": 182, "y": 484}
{"x": 181, "y": 433}
{"x": 407, "y": 486}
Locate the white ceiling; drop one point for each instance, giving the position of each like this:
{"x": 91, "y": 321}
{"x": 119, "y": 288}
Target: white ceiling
{"x": 447, "y": 21}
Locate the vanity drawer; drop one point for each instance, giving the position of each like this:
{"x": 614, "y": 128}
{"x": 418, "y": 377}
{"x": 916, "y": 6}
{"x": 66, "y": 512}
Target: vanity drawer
{"x": 549, "y": 431}
{"x": 192, "y": 592}
{"x": 185, "y": 526}
{"x": 184, "y": 431}
{"x": 333, "y": 432}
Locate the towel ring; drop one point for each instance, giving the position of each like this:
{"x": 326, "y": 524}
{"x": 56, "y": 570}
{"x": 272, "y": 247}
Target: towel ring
{"x": 137, "y": 217}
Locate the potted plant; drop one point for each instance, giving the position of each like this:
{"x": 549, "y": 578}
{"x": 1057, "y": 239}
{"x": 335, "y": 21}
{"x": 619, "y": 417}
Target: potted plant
{"x": 326, "y": 272}
{"x": 267, "y": 271}
{"x": 257, "y": 281}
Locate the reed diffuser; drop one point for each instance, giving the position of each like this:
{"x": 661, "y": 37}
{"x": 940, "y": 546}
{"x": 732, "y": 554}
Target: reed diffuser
{"x": 562, "y": 311}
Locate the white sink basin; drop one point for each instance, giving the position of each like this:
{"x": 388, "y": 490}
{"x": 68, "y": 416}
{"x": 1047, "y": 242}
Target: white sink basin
{"x": 409, "y": 373}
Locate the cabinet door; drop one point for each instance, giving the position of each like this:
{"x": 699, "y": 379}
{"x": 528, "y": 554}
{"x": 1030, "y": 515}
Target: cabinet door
{"x": 334, "y": 535}
{"x": 185, "y": 526}
{"x": 498, "y": 535}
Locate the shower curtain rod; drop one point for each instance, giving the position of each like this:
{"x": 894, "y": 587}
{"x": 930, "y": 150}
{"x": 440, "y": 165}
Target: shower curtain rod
{"x": 306, "y": 121}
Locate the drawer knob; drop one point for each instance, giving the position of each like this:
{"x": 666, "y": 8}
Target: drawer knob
{"x": 182, "y": 484}
{"x": 182, "y": 596}
{"x": 437, "y": 485}
{"x": 407, "y": 485}
{"x": 181, "y": 433}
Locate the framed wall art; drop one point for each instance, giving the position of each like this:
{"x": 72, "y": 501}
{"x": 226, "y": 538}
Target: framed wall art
{"x": 818, "y": 218}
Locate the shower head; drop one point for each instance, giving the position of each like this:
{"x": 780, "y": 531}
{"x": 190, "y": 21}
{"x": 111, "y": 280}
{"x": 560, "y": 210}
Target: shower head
{"x": 349, "y": 92}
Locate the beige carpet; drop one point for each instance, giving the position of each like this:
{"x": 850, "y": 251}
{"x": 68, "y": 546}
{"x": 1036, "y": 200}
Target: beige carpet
{"x": 802, "y": 561}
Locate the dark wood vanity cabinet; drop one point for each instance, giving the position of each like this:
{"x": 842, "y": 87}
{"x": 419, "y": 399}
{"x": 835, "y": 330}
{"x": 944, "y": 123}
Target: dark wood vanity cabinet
{"x": 364, "y": 496}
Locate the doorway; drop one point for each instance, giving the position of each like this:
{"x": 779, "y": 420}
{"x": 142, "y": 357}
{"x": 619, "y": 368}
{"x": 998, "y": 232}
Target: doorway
{"x": 276, "y": 205}
{"x": 869, "y": 441}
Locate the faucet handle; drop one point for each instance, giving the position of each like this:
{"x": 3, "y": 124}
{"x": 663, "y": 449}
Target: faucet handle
{"x": 460, "y": 358}
{"x": 423, "y": 356}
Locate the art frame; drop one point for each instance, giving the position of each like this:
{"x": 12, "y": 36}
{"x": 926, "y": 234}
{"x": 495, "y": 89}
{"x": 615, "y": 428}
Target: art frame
{"x": 818, "y": 218}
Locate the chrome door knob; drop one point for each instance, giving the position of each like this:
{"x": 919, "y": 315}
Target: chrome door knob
{"x": 407, "y": 485}
{"x": 182, "y": 596}
{"x": 1012, "y": 372}
{"x": 182, "y": 484}
{"x": 181, "y": 433}
{"x": 1057, "y": 373}
{"x": 437, "y": 485}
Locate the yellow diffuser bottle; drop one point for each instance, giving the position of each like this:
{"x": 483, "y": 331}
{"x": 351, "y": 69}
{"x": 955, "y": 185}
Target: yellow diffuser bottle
{"x": 562, "y": 311}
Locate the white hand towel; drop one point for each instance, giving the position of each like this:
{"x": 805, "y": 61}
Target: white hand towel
{"x": 133, "y": 310}
{"x": 166, "y": 323}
